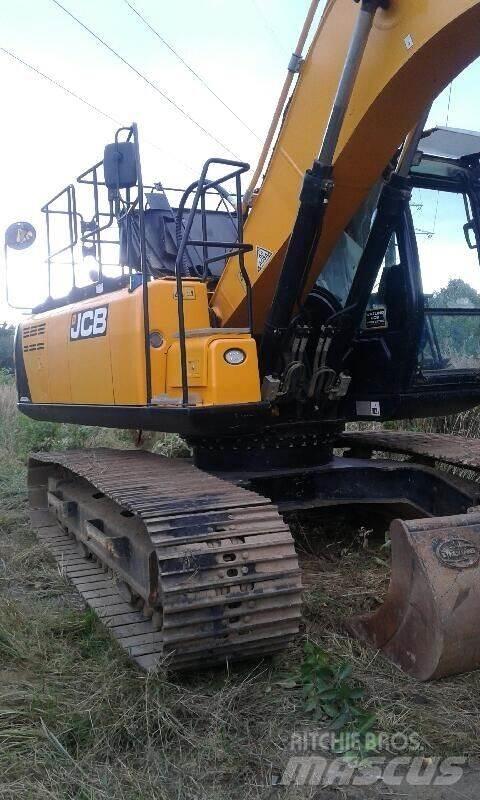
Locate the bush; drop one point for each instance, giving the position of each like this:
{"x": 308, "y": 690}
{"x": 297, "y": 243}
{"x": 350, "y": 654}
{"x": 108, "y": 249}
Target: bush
{"x": 7, "y": 336}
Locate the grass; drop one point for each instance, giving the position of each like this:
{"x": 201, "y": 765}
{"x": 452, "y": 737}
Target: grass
{"x": 79, "y": 722}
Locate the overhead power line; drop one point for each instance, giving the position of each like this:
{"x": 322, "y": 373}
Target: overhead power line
{"x": 449, "y": 105}
{"x": 83, "y": 100}
{"x": 190, "y": 68}
{"x": 59, "y": 85}
{"x": 145, "y": 79}
{"x": 268, "y": 27}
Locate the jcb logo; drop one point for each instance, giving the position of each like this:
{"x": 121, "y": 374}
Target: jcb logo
{"x": 89, "y": 323}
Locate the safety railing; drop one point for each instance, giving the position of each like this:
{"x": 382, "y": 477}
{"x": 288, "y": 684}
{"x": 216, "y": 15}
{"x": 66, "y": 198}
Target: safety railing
{"x": 199, "y": 189}
{"x": 113, "y": 205}
{"x": 91, "y": 230}
{"x": 51, "y": 209}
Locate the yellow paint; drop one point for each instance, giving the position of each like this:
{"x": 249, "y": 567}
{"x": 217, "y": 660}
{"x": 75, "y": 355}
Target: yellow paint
{"x": 36, "y": 361}
{"x": 394, "y": 86}
{"x": 211, "y": 380}
{"x": 58, "y": 367}
{"x": 110, "y": 369}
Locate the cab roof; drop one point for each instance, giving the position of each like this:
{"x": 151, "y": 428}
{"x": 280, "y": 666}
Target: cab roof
{"x": 451, "y": 143}
{"x": 445, "y": 154}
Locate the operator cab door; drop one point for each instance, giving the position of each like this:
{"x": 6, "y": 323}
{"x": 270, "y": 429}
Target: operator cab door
{"x": 417, "y": 352}
{"x": 384, "y": 352}
{"x": 445, "y": 225}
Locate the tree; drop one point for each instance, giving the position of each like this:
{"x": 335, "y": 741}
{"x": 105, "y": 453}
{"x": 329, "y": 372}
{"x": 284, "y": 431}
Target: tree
{"x": 7, "y": 335}
{"x": 457, "y": 294}
{"x": 458, "y": 336}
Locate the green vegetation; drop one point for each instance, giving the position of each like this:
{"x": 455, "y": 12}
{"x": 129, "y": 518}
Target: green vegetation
{"x": 328, "y": 692}
{"x": 7, "y": 333}
{"x": 457, "y": 336}
{"x": 457, "y": 294}
{"x": 332, "y": 699}
{"x": 79, "y": 722}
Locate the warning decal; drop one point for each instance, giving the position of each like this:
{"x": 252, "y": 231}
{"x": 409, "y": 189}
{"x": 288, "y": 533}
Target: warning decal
{"x": 263, "y": 257}
{"x": 367, "y": 409}
{"x": 376, "y": 318}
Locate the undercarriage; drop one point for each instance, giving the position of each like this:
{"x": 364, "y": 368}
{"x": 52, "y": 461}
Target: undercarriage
{"x": 193, "y": 568}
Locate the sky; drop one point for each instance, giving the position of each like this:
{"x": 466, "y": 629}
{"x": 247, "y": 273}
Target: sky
{"x": 240, "y": 48}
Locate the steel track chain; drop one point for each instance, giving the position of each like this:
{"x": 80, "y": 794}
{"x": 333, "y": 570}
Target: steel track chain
{"x": 229, "y": 584}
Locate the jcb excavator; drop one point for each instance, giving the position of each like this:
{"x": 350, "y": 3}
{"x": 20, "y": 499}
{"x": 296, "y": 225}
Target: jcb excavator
{"x": 256, "y": 327}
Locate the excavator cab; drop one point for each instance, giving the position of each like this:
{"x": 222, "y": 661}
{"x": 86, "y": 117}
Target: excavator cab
{"x": 447, "y": 182}
{"x": 417, "y": 349}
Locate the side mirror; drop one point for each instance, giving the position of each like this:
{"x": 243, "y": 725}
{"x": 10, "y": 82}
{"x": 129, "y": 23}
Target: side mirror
{"x": 20, "y": 235}
{"x": 120, "y": 166}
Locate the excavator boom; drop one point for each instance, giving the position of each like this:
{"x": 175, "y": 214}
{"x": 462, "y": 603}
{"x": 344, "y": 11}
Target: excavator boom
{"x": 414, "y": 51}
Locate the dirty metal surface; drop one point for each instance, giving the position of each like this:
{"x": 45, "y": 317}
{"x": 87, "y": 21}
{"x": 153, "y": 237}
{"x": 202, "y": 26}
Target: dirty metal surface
{"x": 429, "y": 622}
{"x": 454, "y": 450}
{"x": 210, "y": 567}
{"x": 137, "y": 635}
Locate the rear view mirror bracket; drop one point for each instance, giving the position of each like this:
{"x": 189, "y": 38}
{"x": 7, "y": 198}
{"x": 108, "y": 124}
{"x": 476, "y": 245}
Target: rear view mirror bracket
{"x": 469, "y": 231}
{"x": 18, "y": 236}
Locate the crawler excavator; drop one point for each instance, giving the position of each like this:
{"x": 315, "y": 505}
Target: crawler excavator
{"x": 256, "y": 328}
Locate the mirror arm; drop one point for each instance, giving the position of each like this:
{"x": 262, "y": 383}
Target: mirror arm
{"x": 467, "y": 229}
{"x": 7, "y": 295}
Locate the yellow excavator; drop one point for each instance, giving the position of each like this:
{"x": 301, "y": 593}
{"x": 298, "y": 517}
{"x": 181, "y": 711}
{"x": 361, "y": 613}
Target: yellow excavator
{"x": 256, "y": 325}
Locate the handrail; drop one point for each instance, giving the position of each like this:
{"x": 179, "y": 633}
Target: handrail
{"x": 201, "y": 187}
{"x": 72, "y": 214}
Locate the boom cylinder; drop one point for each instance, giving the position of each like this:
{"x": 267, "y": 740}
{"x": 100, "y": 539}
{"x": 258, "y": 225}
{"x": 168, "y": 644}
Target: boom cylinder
{"x": 316, "y": 190}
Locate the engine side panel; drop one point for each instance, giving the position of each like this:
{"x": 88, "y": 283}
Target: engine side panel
{"x": 92, "y": 353}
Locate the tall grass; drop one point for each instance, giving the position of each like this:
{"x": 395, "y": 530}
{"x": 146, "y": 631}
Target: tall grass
{"x": 466, "y": 423}
{"x": 20, "y": 435}
{"x": 79, "y": 722}
{"x": 8, "y": 415}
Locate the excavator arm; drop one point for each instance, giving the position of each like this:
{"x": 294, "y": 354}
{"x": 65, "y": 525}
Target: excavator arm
{"x": 414, "y": 50}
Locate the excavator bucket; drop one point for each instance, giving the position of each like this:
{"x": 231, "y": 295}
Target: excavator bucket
{"x": 429, "y": 624}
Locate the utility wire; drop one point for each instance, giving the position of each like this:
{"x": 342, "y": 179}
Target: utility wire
{"x": 266, "y": 23}
{"x": 144, "y": 78}
{"x": 81, "y": 99}
{"x": 435, "y": 218}
{"x": 190, "y": 68}
{"x": 59, "y": 85}
{"x": 449, "y": 105}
